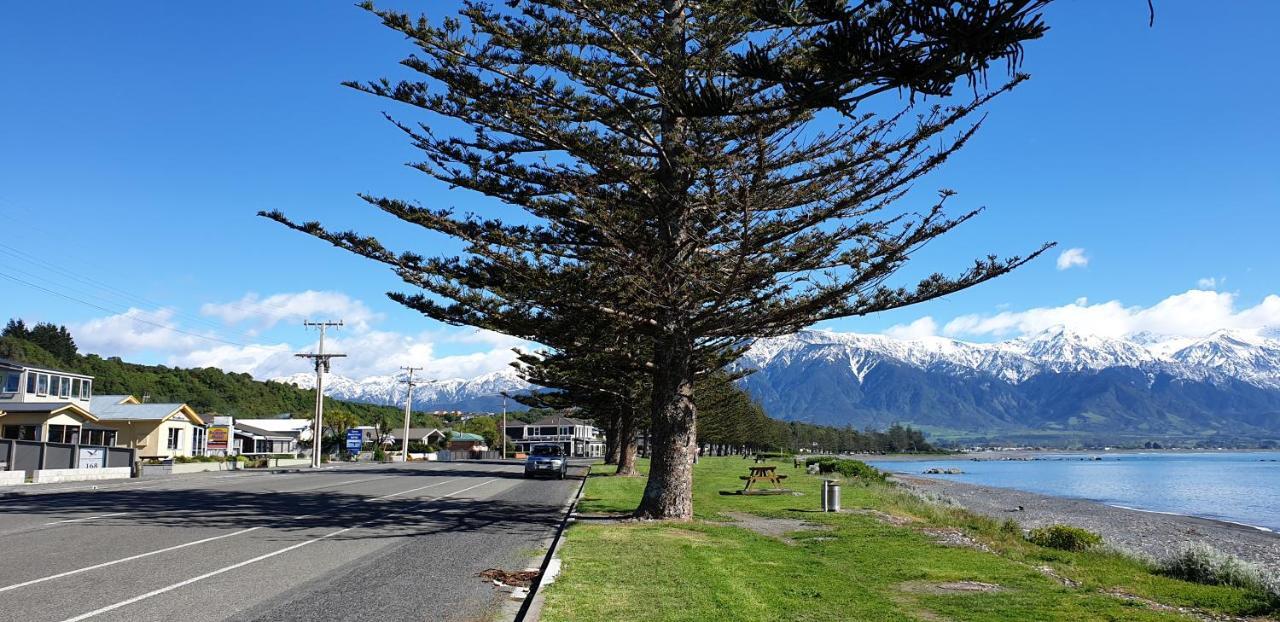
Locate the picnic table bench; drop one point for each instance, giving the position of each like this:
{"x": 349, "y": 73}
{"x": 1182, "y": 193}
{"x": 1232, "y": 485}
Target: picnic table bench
{"x": 761, "y": 474}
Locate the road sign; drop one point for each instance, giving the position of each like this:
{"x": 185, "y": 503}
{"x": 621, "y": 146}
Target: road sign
{"x": 355, "y": 440}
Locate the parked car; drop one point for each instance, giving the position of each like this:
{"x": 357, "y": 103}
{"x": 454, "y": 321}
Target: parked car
{"x": 546, "y": 460}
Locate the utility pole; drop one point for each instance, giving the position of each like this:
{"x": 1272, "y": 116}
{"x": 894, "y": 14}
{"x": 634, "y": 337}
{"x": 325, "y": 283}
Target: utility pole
{"x": 322, "y": 366}
{"x": 504, "y": 427}
{"x": 408, "y": 403}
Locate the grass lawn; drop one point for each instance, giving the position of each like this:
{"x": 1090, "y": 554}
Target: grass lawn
{"x": 879, "y": 562}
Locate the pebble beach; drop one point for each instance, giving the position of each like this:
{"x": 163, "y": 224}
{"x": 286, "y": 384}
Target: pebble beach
{"x": 1145, "y": 533}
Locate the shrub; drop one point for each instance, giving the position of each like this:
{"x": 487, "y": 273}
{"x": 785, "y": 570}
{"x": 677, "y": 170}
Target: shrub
{"x": 1010, "y": 527}
{"x": 1200, "y": 563}
{"x": 379, "y": 454}
{"x": 847, "y": 468}
{"x": 1065, "y": 537}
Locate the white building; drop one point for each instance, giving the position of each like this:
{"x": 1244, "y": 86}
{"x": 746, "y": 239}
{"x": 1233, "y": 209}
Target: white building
{"x": 577, "y": 437}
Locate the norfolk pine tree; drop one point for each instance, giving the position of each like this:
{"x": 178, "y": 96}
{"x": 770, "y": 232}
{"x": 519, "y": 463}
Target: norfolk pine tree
{"x": 695, "y": 173}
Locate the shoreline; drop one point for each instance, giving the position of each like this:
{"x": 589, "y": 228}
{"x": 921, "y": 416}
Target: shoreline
{"x": 1027, "y": 454}
{"x": 1145, "y": 532}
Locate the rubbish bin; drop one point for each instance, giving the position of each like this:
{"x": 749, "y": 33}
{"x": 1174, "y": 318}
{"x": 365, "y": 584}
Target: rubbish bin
{"x": 833, "y": 496}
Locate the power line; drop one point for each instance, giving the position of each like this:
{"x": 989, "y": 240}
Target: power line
{"x": 128, "y": 297}
{"x": 118, "y": 312}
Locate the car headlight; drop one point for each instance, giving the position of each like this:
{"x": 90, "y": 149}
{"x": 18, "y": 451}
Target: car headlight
{"x": 555, "y": 463}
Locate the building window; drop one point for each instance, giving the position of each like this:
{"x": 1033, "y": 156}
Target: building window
{"x": 85, "y": 392}
{"x": 64, "y": 434}
{"x": 42, "y": 385}
{"x": 66, "y": 388}
{"x": 175, "y": 438}
{"x": 99, "y": 437}
{"x": 31, "y": 383}
{"x": 20, "y": 432}
{"x": 12, "y": 382}
{"x": 75, "y": 387}
{"x": 197, "y": 441}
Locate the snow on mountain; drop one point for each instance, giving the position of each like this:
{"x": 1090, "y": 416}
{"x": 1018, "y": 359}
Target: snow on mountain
{"x": 1232, "y": 354}
{"x": 1220, "y": 357}
{"x": 446, "y": 393}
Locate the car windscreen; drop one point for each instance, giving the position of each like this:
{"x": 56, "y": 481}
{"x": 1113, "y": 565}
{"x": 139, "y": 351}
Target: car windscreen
{"x": 546, "y": 450}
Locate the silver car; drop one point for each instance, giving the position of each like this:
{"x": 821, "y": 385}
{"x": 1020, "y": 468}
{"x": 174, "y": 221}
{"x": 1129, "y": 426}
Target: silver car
{"x": 546, "y": 460}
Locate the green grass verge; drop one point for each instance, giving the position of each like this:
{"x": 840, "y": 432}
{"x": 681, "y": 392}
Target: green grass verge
{"x": 857, "y": 567}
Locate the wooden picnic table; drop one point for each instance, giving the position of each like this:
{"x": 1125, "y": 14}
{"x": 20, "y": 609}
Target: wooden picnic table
{"x": 767, "y": 473}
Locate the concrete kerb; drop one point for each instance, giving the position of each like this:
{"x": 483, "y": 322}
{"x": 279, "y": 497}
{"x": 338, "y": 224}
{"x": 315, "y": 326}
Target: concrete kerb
{"x": 531, "y": 607}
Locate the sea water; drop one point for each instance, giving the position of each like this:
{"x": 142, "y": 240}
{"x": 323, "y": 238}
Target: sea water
{"x": 1239, "y": 487}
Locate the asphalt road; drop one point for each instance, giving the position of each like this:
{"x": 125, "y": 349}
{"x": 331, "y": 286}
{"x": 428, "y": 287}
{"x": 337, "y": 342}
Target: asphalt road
{"x": 378, "y": 542}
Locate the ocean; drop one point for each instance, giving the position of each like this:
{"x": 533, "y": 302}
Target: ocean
{"x": 1238, "y": 487}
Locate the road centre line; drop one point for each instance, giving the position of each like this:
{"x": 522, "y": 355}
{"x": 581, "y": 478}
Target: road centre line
{"x": 188, "y": 544}
{"x": 77, "y": 520}
{"x": 202, "y": 577}
{"x": 124, "y": 559}
{"x": 170, "y": 588}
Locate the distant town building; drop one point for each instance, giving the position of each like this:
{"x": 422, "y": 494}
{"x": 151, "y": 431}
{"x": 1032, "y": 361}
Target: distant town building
{"x": 577, "y": 437}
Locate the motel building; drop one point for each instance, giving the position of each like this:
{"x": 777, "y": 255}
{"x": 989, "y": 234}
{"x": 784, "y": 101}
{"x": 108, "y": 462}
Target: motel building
{"x": 44, "y": 404}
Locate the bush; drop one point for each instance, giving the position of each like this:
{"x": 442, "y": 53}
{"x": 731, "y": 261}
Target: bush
{"x": 1010, "y": 527}
{"x": 1065, "y": 538}
{"x": 379, "y": 454}
{"x": 1204, "y": 564}
{"x": 847, "y": 468}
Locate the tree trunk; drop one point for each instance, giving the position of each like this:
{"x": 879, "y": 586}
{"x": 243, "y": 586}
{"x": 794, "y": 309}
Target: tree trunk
{"x": 668, "y": 495}
{"x": 611, "y": 441}
{"x": 626, "y": 445}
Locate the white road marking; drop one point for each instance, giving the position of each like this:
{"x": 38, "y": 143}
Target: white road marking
{"x": 206, "y": 540}
{"x": 77, "y": 520}
{"x": 405, "y": 492}
{"x": 170, "y": 588}
{"x": 123, "y": 560}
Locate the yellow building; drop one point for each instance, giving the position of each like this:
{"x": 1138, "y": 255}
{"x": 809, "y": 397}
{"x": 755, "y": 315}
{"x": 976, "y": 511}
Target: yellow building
{"x": 156, "y": 430}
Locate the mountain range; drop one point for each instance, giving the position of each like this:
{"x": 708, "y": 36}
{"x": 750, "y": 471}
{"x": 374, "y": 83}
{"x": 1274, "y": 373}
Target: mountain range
{"x": 1057, "y": 383}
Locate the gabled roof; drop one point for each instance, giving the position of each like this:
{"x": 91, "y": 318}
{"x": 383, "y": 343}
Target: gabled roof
{"x": 465, "y": 436}
{"x": 12, "y": 364}
{"x": 127, "y": 408}
{"x": 49, "y": 408}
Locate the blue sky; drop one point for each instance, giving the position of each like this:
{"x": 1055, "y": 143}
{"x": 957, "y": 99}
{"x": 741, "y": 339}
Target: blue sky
{"x": 138, "y": 140}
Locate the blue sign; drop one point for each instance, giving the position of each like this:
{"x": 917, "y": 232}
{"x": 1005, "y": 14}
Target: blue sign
{"x": 355, "y": 440}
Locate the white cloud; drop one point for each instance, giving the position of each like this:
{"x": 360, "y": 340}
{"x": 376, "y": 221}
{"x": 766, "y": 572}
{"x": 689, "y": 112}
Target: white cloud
{"x": 923, "y": 327}
{"x": 1071, "y": 258}
{"x": 1194, "y": 313}
{"x": 1210, "y": 282}
{"x": 131, "y": 332}
{"x": 160, "y": 337}
{"x": 294, "y": 307}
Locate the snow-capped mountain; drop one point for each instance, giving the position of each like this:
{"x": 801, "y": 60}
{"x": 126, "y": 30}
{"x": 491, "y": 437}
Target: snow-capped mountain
{"x": 1056, "y": 381}
{"x": 1222, "y": 356}
{"x": 480, "y": 393}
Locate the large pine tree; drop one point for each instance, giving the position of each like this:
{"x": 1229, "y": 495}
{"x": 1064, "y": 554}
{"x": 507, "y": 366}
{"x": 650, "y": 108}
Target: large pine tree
{"x": 697, "y": 173}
